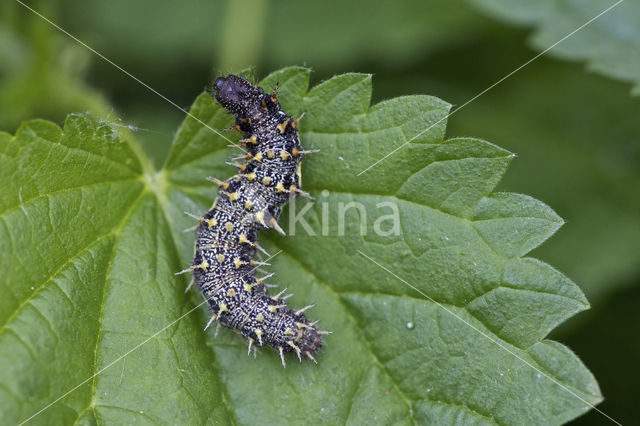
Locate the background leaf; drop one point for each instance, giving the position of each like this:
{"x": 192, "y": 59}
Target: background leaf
{"x": 609, "y": 45}
{"x": 41, "y": 74}
{"x": 259, "y": 32}
{"x": 95, "y": 234}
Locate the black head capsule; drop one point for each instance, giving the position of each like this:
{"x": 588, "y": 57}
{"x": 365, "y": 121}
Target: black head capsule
{"x": 236, "y": 95}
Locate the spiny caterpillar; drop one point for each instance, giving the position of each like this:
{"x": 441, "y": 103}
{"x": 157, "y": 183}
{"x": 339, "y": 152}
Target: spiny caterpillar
{"x": 251, "y": 201}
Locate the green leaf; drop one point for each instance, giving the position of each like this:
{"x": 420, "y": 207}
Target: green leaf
{"x": 266, "y": 33}
{"x": 41, "y": 71}
{"x": 93, "y": 237}
{"x": 87, "y": 265}
{"x": 588, "y": 173}
{"x": 609, "y": 44}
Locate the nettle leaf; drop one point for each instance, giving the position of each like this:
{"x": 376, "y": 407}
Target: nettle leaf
{"x": 420, "y": 27}
{"x": 609, "y": 44}
{"x": 587, "y": 173}
{"x": 92, "y": 237}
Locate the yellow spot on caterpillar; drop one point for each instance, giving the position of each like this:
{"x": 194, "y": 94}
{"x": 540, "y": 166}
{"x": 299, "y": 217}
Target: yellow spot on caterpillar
{"x": 260, "y": 317}
{"x": 258, "y": 332}
{"x": 211, "y": 222}
{"x": 280, "y": 187}
{"x": 260, "y": 217}
{"x": 274, "y": 99}
{"x": 270, "y": 154}
{"x": 282, "y": 126}
{"x": 229, "y": 226}
{"x": 288, "y": 331}
{"x": 223, "y": 307}
{"x": 238, "y": 262}
{"x": 248, "y": 205}
{"x": 231, "y": 292}
{"x": 252, "y": 262}
{"x": 243, "y": 167}
{"x": 266, "y": 180}
{"x": 293, "y": 188}
{"x": 272, "y": 308}
{"x": 258, "y": 157}
{"x": 224, "y": 185}
{"x": 248, "y": 288}
{"x": 233, "y": 196}
{"x": 294, "y": 123}
{"x": 243, "y": 239}
{"x": 220, "y": 258}
{"x": 248, "y": 156}
{"x": 250, "y": 176}
{"x": 284, "y": 155}
{"x": 204, "y": 265}
{"x": 252, "y": 139}
{"x": 295, "y": 152}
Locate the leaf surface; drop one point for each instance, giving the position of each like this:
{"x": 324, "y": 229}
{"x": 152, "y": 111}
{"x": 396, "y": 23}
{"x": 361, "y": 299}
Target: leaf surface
{"x": 93, "y": 237}
{"x": 609, "y": 45}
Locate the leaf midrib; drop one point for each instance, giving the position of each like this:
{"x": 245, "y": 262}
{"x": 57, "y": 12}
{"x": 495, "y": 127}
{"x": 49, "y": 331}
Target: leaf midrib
{"x": 117, "y": 231}
{"x": 169, "y": 167}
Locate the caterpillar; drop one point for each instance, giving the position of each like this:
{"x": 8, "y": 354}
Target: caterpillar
{"x": 251, "y": 201}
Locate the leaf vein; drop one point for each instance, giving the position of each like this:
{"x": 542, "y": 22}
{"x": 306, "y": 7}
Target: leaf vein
{"x": 352, "y": 318}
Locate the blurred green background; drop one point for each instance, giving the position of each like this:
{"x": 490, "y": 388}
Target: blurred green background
{"x": 576, "y": 131}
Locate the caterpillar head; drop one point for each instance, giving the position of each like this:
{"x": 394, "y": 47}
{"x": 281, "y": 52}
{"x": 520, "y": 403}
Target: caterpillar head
{"x": 236, "y": 94}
